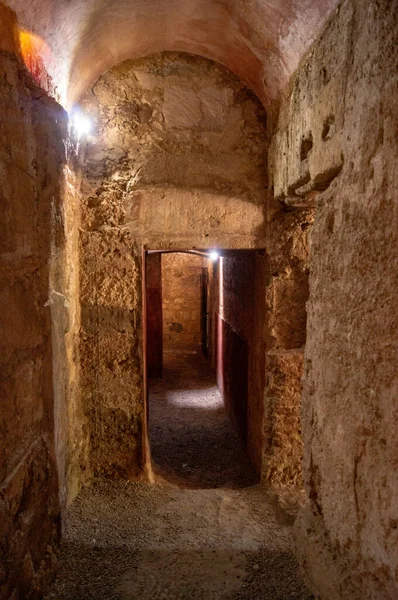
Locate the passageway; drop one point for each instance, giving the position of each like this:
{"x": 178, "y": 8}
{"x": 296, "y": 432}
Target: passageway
{"x": 192, "y": 439}
{"x": 186, "y": 181}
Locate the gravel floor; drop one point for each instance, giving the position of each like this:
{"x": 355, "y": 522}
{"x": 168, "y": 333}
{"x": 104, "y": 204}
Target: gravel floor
{"x": 192, "y": 439}
{"x": 221, "y": 540}
{"x": 128, "y": 540}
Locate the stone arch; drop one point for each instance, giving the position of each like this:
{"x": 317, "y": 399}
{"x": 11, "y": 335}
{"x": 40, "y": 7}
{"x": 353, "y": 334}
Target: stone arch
{"x": 261, "y": 43}
{"x": 177, "y": 161}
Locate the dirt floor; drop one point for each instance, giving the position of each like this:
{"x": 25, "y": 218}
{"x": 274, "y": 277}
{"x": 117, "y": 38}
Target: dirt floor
{"x": 210, "y": 537}
{"x": 192, "y": 440}
{"x": 135, "y": 541}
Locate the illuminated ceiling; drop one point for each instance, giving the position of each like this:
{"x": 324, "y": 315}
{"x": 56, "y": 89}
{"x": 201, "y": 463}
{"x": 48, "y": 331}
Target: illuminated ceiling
{"x": 261, "y": 41}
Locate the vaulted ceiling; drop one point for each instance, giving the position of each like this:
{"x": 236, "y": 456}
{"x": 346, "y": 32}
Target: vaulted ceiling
{"x": 261, "y": 41}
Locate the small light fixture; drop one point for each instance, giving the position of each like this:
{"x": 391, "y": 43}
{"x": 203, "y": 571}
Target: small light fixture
{"x": 214, "y": 255}
{"x": 81, "y": 123}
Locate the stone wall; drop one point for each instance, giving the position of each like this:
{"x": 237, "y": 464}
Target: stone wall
{"x": 71, "y": 432}
{"x": 177, "y": 160}
{"x": 110, "y": 348}
{"x": 285, "y": 335}
{"x": 178, "y": 154}
{"x": 32, "y": 131}
{"x": 334, "y": 142}
{"x": 181, "y": 278}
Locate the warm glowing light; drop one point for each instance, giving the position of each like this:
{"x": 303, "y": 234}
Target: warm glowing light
{"x": 214, "y": 255}
{"x": 81, "y": 123}
{"x": 36, "y": 54}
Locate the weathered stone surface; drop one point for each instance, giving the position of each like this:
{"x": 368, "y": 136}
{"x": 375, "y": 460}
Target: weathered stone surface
{"x": 282, "y": 420}
{"x": 174, "y": 218}
{"x": 181, "y": 107}
{"x": 109, "y": 350}
{"x": 286, "y": 295}
{"x": 346, "y": 92}
{"x": 28, "y": 505}
{"x": 287, "y": 290}
{"x": 206, "y": 108}
{"x": 308, "y": 146}
{"x": 31, "y": 158}
{"x": 211, "y": 145}
{"x": 70, "y": 430}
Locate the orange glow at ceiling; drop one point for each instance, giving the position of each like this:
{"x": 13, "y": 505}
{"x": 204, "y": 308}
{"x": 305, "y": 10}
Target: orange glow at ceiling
{"x": 35, "y": 53}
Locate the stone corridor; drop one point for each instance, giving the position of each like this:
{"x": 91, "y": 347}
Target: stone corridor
{"x": 218, "y": 174}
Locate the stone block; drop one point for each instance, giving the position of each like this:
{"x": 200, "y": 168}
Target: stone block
{"x": 181, "y": 108}
{"x": 215, "y": 104}
{"x": 282, "y": 422}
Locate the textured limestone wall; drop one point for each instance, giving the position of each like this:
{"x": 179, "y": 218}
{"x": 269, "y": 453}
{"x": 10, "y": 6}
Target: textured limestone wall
{"x": 335, "y": 141}
{"x": 177, "y": 160}
{"x": 178, "y": 154}
{"x": 32, "y": 129}
{"x": 181, "y": 277}
{"x": 110, "y": 349}
{"x": 285, "y": 335}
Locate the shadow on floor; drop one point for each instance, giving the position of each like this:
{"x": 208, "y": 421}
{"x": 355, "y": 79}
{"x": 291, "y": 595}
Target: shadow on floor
{"x": 135, "y": 541}
{"x": 192, "y": 440}
{"x": 116, "y": 573}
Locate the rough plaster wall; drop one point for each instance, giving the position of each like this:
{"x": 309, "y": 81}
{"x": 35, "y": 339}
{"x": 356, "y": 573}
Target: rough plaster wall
{"x": 346, "y": 94}
{"x": 181, "y": 286}
{"x": 32, "y": 129}
{"x": 177, "y": 160}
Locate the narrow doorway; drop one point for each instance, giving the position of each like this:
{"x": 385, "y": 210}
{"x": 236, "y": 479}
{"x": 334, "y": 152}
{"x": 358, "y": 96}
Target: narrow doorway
{"x": 198, "y": 375}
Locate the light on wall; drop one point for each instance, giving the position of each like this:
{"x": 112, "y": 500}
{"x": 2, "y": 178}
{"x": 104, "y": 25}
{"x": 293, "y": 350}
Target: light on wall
{"x": 81, "y": 123}
{"x": 36, "y": 54}
{"x": 214, "y": 255}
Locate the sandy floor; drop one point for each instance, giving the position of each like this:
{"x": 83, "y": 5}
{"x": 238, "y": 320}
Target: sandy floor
{"x": 221, "y": 540}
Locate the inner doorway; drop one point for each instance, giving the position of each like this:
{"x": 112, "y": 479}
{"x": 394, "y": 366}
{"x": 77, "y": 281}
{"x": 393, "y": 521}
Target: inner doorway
{"x": 200, "y": 366}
